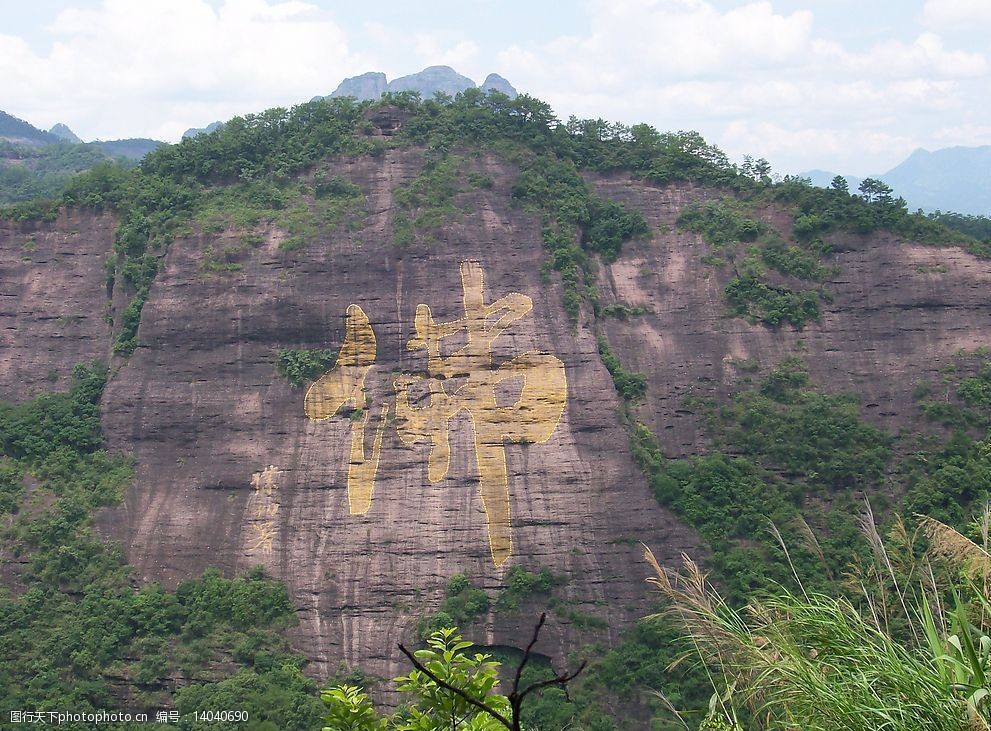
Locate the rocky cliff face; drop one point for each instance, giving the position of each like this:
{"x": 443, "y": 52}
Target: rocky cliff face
{"x": 495, "y": 82}
{"x": 53, "y": 301}
{"x": 236, "y": 468}
{"x": 899, "y": 311}
{"x": 232, "y": 472}
{"x": 364, "y": 87}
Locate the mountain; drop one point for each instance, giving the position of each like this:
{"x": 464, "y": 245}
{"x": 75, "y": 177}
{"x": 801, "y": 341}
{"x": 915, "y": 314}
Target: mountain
{"x": 194, "y": 131}
{"x": 366, "y": 375}
{"x": 494, "y": 82}
{"x": 954, "y": 179}
{"x": 433, "y": 79}
{"x": 19, "y": 132}
{"x": 364, "y": 87}
{"x": 132, "y": 148}
{"x": 64, "y": 133}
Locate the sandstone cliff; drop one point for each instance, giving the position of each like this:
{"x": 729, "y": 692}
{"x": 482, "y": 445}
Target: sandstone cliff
{"x": 231, "y": 471}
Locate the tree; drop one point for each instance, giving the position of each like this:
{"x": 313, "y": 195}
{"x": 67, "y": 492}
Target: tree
{"x": 448, "y": 689}
{"x": 875, "y": 191}
{"x": 839, "y": 184}
{"x": 758, "y": 170}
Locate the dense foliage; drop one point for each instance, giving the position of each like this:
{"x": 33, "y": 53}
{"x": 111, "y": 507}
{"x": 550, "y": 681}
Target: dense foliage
{"x": 303, "y": 366}
{"x": 27, "y": 173}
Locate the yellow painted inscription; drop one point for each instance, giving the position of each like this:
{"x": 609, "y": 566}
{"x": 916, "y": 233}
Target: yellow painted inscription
{"x": 344, "y": 386}
{"x": 464, "y": 381}
{"x": 265, "y": 507}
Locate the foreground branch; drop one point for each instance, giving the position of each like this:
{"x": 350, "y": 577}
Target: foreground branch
{"x": 515, "y": 697}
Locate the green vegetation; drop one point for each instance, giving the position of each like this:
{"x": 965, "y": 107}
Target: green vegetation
{"x": 427, "y": 202}
{"x": 464, "y": 604}
{"x": 948, "y": 479}
{"x": 624, "y": 312}
{"x": 818, "y": 211}
{"x": 809, "y": 436}
{"x": 28, "y": 173}
{"x": 721, "y": 224}
{"x": 555, "y": 189}
{"x": 520, "y": 584}
{"x": 909, "y": 650}
{"x": 725, "y": 226}
{"x": 793, "y": 261}
{"x": 303, "y": 366}
{"x": 978, "y": 227}
{"x": 429, "y": 705}
{"x": 77, "y": 634}
{"x": 785, "y": 447}
{"x": 771, "y": 306}
{"x": 629, "y": 385}
{"x": 609, "y": 226}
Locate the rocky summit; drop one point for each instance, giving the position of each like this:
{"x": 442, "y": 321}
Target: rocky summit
{"x": 432, "y": 80}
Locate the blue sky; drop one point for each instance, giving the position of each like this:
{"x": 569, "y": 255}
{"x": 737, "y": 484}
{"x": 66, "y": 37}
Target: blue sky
{"x": 847, "y": 85}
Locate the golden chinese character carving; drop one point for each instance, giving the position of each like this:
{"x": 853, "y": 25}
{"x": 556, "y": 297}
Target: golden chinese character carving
{"x": 465, "y": 381}
{"x": 532, "y": 417}
{"x": 265, "y": 507}
{"x": 344, "y": 385}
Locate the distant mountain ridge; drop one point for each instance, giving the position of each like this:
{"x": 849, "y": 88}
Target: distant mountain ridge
{"x": 956, "y": 179}
{"x": 951, "y": 179}
{"x": 433, "y": 79}
{"x": 195, "y": 131}
{"x": 19, "y": 132}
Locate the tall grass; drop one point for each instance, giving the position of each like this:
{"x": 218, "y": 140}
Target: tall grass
{"x": 908, "y": 648}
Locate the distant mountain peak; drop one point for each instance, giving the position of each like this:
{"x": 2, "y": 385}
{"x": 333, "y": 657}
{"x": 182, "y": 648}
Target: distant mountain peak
{"x": 495, "y": 82}
{"x": 195, "y": 131}
{"x": 431, "y": 80}
{"x": 948, "y": 179}
{"x": 63, "y": 132}
{"x": 367, "y": 86}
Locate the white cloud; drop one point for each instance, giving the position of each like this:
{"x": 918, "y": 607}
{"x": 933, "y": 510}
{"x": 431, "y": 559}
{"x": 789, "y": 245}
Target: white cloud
{"x": 956, "y": 12}
{"x": 752, "y": 77}
{"x": 667, "y": 39}
{"x": 964, "y": 134}
{"x": 848, "y": 150}
{"x": 459, "y": 56}
{"x": 688, "y": 64}
{"x": 126, "y": 68}
{"x": 895, "y": 58}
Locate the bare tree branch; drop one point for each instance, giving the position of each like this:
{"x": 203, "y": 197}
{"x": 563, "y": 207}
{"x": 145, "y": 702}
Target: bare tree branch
{"x": 526, "y": 654}
{"x": 515, "y": 697}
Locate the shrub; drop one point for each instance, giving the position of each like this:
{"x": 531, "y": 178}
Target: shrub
{"x": 302, "y": 366}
